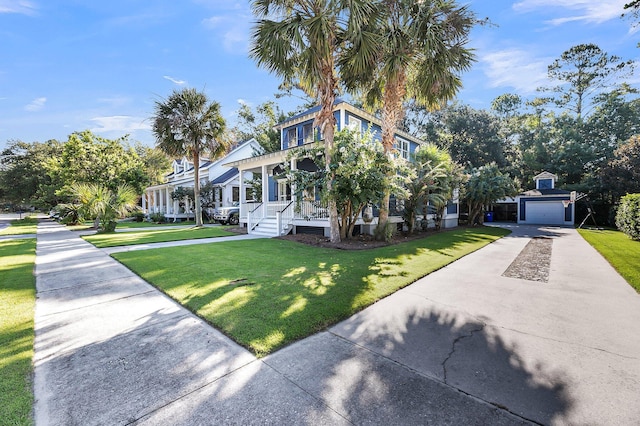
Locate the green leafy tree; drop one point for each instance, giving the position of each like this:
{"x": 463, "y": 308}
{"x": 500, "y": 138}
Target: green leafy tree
{"x": 188, "y": 124}
{"x": 260, "y": 125}
{"x": 445, "y": 185}
{"x": 360, "y": 169}
{"x": 89, "y": 158}
{"x": 156, "y": 164}
{"x": 422, "y": 52}
{"x": 423, "y": 189}
{"x": 486, "y": 185}
{"x": 583, "y": 72}
{"x": 622, "y": 174}
{"x": 301, "y": 41}
{"x": 23, "y": 174}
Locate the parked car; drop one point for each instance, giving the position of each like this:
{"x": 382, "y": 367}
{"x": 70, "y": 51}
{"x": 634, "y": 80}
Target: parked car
{"x": 230, "y": 215}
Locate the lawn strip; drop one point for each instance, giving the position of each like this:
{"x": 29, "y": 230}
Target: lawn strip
{"x": 267, "y": 293}
{"x": 20, "y": 227}
{"x": 17, "y": 301}
{"x": 621, "y": 252}
{"x": 148, "y": 236}
{"x": 131, "y": 224}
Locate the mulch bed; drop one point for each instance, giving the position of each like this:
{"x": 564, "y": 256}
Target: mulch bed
{"x": 358, "y": 242}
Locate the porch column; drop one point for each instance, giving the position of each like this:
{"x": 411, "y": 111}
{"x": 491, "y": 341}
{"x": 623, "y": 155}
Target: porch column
{"x": 166, "y": 193}
{"x": 294, "y": 167}
{"x": 155, "y": 201}
{"x": 265, "y": 185}
{"x": 144, "y": 201}
{"x": 243, "y": 195}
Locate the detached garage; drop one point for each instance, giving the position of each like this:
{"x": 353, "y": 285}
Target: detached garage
{"x": 546, "y": 205}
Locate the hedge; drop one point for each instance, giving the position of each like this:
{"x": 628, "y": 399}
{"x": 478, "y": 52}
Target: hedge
{"x": 628, "y": 216}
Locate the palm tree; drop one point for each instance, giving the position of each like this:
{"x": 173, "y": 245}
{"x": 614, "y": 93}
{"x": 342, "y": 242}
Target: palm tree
{"x": 186, "y": 123}
{"x": 301, "y": 42}
{"x": 105, "y": 205}
{"x": 422, "y": 49}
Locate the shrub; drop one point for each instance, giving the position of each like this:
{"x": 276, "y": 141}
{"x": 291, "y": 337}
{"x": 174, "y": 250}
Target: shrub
{"x": 157, "y": 217}
{"x": 386, "y": 233}
{"x": 628, "y": 216}
{"x": 138, "y": 216}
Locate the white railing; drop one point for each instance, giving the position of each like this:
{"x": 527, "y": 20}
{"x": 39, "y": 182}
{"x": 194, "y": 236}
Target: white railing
{"x": 311, "y": 210}
{"x": 255, "y": 213}
{"x": 284, "y": 218}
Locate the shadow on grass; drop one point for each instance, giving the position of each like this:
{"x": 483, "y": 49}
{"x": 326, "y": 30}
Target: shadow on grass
{"x": 268, "y": 293}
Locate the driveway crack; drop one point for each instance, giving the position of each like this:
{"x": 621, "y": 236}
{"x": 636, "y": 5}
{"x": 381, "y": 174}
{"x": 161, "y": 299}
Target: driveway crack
{"x": 458, "y": 339}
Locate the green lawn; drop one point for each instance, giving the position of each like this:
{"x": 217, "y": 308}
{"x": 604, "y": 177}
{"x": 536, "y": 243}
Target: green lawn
{"x": 21, "y": 226}
{"x": 129, "y": 224}
{"x": 17, "y": 301}
{"x": 147, "y": 236}
{"x": 268, "y": 293}
{"x": 622, "y": 252}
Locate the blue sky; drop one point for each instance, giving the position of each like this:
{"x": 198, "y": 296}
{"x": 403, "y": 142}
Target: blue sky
{"x": 71, "y": 65}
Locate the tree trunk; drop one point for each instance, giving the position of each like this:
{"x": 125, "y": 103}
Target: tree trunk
{"x": 327, "y": 123}
{"x": 392, "y": 113}
{"x": 196, "y": 187}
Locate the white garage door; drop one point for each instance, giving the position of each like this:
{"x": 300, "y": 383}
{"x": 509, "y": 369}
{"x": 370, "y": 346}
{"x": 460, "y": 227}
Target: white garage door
{"x": 545, "y": 212}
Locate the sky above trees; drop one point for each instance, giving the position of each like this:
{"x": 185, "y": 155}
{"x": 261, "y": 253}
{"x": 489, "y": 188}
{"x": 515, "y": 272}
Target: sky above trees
{"x": 71, "y": 65}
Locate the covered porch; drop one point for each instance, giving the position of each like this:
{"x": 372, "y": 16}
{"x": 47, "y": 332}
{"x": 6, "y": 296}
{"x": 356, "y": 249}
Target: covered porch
{"x": 277, "y": 209}
{"x": 157, "y": 200}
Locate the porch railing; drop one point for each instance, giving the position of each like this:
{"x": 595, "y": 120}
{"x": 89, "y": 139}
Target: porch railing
{"x": 255, "y": 213}
{"x": 284, "y": 218}
{"x": 311, "y": 210}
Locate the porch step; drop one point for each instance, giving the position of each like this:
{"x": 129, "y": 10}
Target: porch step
{"x": 267, "y": 227}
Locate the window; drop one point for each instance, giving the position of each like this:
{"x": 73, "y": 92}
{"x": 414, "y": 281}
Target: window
{"x": 307, "y": 133}
{"x": 402, "y": 146}
{"x": 248, "y": 193}
{"x": 545, "y": 183}
{"x": 355, "y": 124}
{"x": 452, "y": 208}
{"x": 292, "y": 137}
{"x": 235, "y": 194}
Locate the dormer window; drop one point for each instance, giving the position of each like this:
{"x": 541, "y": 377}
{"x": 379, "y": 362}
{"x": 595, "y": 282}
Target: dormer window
{"x": 545, "y": 180}
{"x": 545, "y": 184}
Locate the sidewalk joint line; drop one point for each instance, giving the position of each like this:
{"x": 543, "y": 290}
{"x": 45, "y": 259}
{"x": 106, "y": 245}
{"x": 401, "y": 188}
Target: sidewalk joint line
{"x": 97, "y": 303}
{"x": 135, "y": 420}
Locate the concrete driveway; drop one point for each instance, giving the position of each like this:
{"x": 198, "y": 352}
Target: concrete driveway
{"x": 464, "y": 345}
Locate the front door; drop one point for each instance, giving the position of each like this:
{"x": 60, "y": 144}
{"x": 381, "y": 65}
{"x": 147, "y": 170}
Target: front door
{"x": 284, "y": 191}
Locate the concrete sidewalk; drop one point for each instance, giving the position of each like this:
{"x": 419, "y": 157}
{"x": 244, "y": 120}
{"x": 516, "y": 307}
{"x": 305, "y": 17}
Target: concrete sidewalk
{"x": 464, "y": 345}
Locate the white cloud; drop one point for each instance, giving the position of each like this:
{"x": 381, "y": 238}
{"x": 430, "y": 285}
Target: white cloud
{"x": 36, "y": 104}
{"x": 590, "y": 11}
{"x": 232, "y": 30}
{"x": 17, "y": 6}
{"x": 115, "y": 101}
{"x": 120, "y": 123}
{"x": 213, "y": 22}
{"x": 515, "y": 68}
{"x": 175, "y": 80}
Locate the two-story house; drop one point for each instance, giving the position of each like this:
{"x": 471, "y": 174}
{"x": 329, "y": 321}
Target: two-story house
{"x": 278, "y": 210}
{"x": 158, "y": 198}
